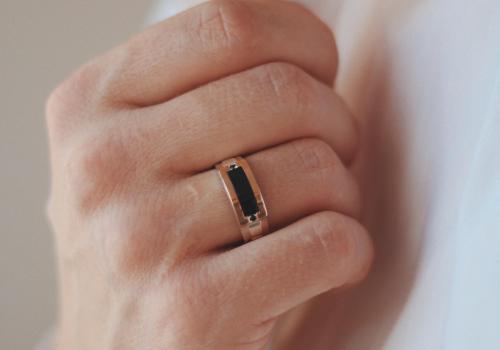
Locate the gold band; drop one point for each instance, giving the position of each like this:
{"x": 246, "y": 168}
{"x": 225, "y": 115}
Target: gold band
{"x": 245, "y": 196}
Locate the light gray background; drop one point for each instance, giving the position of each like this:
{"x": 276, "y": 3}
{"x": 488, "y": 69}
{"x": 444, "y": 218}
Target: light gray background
{"x": 40, "y": 43}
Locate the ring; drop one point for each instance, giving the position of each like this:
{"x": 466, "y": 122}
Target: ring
{"x": 245, "y": 196}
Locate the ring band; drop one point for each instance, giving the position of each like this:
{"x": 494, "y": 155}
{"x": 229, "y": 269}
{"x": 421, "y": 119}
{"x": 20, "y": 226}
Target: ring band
{"x": 245, "y": 196}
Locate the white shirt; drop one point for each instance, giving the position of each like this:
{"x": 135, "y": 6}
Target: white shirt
{"x": 424, "y": 78}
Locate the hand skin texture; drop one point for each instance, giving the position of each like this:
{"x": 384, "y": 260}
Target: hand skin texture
{"x": 149, "y": 252}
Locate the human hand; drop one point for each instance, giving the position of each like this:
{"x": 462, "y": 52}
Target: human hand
{"x": 147, "y": 243}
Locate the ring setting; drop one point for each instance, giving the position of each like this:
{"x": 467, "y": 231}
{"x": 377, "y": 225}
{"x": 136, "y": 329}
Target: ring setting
{"x": 245, "y": 196}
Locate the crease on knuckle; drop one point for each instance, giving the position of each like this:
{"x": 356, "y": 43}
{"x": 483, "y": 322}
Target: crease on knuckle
{"x": 225, "y": 24}
{"x": 336, "y": 246}
{"x": 316, "y": 156}
{"x": 291, "y": 86}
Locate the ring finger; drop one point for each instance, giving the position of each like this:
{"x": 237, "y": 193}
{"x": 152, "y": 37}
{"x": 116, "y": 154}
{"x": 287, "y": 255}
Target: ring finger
{"x": 297, "y": 179}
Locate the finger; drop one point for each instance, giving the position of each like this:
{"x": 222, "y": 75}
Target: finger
{"x": 213, "y": 40}
{"x": 297, "y": 179}
{"x": 242, "y": 114}
{"x": 282, "y": 270}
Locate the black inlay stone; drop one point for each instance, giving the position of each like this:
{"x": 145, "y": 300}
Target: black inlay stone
{"x": 243, "y": 191}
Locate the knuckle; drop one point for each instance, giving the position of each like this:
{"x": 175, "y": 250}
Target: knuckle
{"x": 289, "y": 84}
{"x": 332, "y": 246}
{"x": 225, "y": 24}
{"x": 143, "y": 230}
{"x": 345, "y": 246}
{"x": 71, "y": 100}
{"x": 324, "y": 32}
{"x": 129, "y": 241}
{"x": 325, "y": 232}
{"x": 96, "y": 168}
{"x": 336, "y": 186}
{"x": 71, "y": 96}
{"x": 316, "y": 156}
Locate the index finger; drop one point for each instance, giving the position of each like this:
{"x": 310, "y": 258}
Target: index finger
{"x": 213, "y": 40}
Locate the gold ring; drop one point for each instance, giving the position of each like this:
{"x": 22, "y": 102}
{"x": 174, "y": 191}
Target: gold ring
{"x": 245, "y": 196}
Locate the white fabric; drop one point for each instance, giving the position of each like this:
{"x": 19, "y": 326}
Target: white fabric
{"x": 424, "y": 78}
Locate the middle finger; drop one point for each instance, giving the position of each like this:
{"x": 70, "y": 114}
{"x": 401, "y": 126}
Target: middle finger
{"x": 242, "y": 114}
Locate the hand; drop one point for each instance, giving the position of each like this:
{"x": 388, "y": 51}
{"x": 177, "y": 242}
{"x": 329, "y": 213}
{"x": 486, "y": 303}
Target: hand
{"x": 148, "y": 247}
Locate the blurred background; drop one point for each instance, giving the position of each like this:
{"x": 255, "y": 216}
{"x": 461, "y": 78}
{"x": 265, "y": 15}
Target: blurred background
{"x": 40, "y": 43}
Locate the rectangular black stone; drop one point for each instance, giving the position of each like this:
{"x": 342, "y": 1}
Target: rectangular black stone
{"x": 243, "y": 191}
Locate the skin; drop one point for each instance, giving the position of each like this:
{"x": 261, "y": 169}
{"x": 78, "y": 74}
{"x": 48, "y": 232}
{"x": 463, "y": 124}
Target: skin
{"x": 149, "y": 252}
